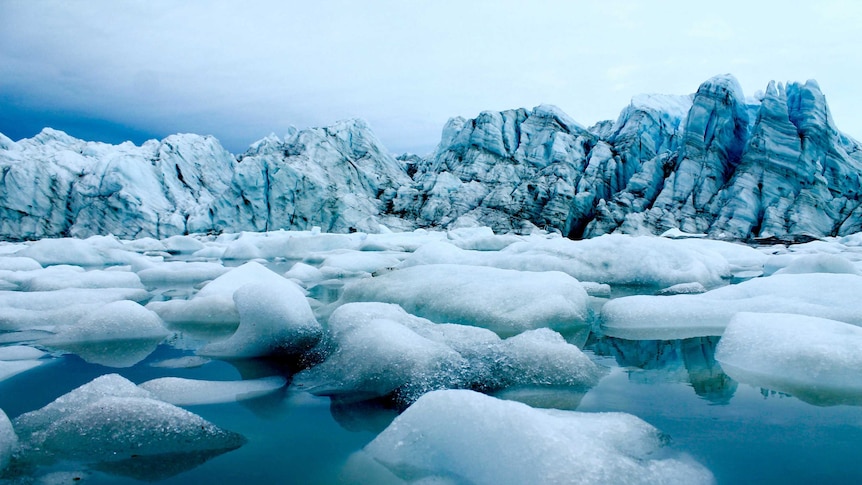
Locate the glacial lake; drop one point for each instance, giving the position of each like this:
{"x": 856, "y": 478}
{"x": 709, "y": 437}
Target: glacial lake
{"x": 742, "y": 433}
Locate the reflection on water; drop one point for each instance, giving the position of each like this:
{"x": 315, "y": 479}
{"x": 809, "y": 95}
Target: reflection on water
{"x": 691, "y": 360}
{"x": 113, "y": 353}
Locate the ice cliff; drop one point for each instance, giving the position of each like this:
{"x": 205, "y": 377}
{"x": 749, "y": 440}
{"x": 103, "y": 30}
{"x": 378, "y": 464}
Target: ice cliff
{"x": 713, "y": 162}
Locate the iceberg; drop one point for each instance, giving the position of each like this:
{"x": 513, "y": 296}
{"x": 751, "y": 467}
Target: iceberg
{"x": 505, "y": 301}
{"x": 111, "y": 419}
{"x": 464, "y": 436}
{"x": 643, "y": 317}
{"x": 814, "y": 359}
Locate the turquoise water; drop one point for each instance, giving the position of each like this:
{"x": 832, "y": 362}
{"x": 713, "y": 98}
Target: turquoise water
{"x": 742, "y": 433}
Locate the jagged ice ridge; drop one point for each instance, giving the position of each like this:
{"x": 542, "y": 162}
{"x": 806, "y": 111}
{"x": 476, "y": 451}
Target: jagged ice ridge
{"x": 714, "y": 162}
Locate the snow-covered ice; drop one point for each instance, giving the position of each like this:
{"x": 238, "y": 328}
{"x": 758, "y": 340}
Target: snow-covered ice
{"x": 190, "y": 392}
{"x": 684, "y": 316}
{"x": 464, "y": 436}
{"x": 814, "y": 359}
{"x": 505, "y": 301}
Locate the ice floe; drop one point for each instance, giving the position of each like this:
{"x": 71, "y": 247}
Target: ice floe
{"x": 505, "y": 301}
{"x": 8, "y": 440}
{"x": 189, "y": 392}
{"x": 827, "y": 295}
{"x": 814, "y": 359}
{"x": 461, "y": 436}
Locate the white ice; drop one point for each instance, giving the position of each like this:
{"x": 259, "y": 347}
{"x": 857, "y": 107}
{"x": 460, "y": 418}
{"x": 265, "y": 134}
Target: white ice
{"x": 461, "y": 436}
{"x": 112, "y": 419}
{"x": 8, "y": 441}
{"x": 214, "y": 304}
{"x": 120, "y": 320}
{"x": 381, "y": 349}
{"x": 64, "y": 251}
{"x": 826, "y": 295}
{"x": 180, "y": 272}
{"x": 815, "y": 359}
{"x": 275, "y": 319}
{"x": 191, "y": 392}
{"x": 613, "y": 259}
{"x": 52, "y": 309}
{"x": 505, "y": 301}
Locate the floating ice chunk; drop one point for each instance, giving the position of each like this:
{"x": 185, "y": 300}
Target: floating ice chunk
{"x": 741, "y": 258}
{"x": 275, "y": 319}
{"x": 18, "y": 263}
{"x": 505, "y": 301}
{"x": 187, "y": 362}
{"x": 20, "y": 352}
{"x": 49, "y": 309}
{"x": 302, "y": 244}
{"x": 214, "y": 304}
{"x": 180, "y": 272}
{"x": 304, "y": 274}
{"x": 118, "y": 334}
{"x": 116, "y": 428}
{"x": 600, "y": 290}
{"x": 683, "y": 289}
{"x": 8, "y": 440}
{"x": 243, "y": 248}
{"x": 228, "y": 283}
{"x": 182, "y": 244}
{"x": 213, "y": 310}
{"x": 814, "y": 359}
{"x": 543, "y": 358}
{"x": 382, "y": 350}
{"x": 53, "y": 280}
{"x": 381, "y": 358}
{"x": 145, "y": 244}
{"x": 684, "y": 316}
{"x": 819, "y": 263}
{"x": 613, "y": 259}
{"x": 468, "y": 437}
{"x": 64, "y": 251}
{"x": 120, "y": 320}
{"x": 15, "y": 367}
{"x": 190, "y": 392}
{"x": 103, "y": 386}
{"x": 481, "y": 239}
{"x": 358, "y": 263}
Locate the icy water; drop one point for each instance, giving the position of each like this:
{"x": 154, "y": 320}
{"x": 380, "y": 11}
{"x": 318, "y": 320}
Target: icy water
{"x": 743, "y": 434}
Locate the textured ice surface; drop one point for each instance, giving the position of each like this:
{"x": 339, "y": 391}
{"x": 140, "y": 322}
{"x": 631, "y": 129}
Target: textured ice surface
{"x": 8, "y": 440}
{"x": 103, "y": 386}
{"x": 111, "y": 419}
{"x": 383, "y": 350}
{"x": 275, "y": 319}
{"x": 460, "y": 436}
{"x": 819, "y": 263}
{"x": 116, "y": 428}
{"x": 64, "y": 251}
{"x": 505, "y": 301}
{"x": 833, "y": 296}
{"x": 214, "y": 304}
{"x": 190, "y": 392}
{"x": 18, "y": 263}
{"x": 814, "y": 359}
{"x": 120, "y": 320}
{"x": 612, "y": 259}
{"x": 49, "y": 309}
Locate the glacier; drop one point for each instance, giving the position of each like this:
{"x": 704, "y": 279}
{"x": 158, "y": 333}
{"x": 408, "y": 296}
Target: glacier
{"x": 714, "y": 162}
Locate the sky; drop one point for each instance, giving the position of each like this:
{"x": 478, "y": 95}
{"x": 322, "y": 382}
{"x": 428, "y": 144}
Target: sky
{"x": 111, "y": 70}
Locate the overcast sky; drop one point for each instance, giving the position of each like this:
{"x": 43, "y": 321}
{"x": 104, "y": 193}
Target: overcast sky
{"x": 114, "y": 70}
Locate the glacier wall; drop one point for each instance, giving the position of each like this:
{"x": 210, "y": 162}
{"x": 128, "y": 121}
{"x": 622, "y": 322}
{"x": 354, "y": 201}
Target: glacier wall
{"x": 713, "y": 162}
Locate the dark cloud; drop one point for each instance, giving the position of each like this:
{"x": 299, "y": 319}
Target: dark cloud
{"x": 136, "y": 69}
